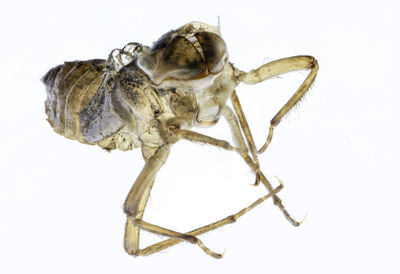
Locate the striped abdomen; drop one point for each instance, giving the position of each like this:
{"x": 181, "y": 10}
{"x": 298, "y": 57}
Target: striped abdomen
{"x": 70, "y": 87}
{"x": 70, "y": 90}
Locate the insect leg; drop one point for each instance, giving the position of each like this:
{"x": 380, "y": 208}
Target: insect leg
{"x": 228, "y": 220}
{"x": 278, "y": 67}
{"x": 135, "y": 204}
{"x": 136, "y": 200}
{"x": 238, "y": 139}
{"x": 247, "y": 133}
{"x": 242, "y": 150}
{"x": 172, "y": 234}
{"x": 200, "y": 138}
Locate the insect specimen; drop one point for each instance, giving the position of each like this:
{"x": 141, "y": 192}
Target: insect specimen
{"x": 151, "y": 97}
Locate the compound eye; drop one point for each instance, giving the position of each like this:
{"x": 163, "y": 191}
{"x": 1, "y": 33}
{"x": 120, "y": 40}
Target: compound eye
{"x": 179, "y": 61}
{"x": 214, "y": 50}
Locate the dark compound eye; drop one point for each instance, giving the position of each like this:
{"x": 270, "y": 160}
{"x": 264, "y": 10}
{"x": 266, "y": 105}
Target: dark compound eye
{"x": 175, "y": 57}
{"x": 180, "y": 61}
{"x": 214, "y": 50}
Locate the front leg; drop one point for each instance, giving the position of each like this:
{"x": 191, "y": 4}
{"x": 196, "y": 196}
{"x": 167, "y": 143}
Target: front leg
{"x": 276, "y": 68}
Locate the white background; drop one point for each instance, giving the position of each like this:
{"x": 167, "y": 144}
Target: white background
{"x": 337, "y": 153}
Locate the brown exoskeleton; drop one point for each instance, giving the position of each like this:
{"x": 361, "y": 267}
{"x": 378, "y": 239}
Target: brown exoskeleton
{"x": 151, "y": 97}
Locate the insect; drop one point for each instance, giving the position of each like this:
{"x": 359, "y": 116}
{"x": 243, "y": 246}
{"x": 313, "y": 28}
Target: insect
{"x": 151, "y": 97}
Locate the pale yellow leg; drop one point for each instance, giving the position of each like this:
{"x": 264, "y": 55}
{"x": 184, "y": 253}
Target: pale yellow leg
{"x": 136, "y": 202}
{"x": 242, "y": 150}
{"x": 201, "y": 138}
{"x": 278, "y": 67}
{"x": 228, "y": 220}
{"x": 137, "y": 198}
{"x": 173, "y": 234}
{"x": 239, "y": 141}
{"x": 247, "y": 133}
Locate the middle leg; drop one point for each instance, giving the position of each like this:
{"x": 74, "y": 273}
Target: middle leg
{"x": 242, "y": 150}
{"x": 239, "y": 140}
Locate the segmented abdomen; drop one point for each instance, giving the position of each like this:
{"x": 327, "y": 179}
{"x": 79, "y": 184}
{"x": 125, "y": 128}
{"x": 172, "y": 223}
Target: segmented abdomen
{"x": 70, "y": 87}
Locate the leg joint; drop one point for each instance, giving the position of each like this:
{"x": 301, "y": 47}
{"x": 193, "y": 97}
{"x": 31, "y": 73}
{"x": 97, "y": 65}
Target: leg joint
{"x": 233, "y": 218}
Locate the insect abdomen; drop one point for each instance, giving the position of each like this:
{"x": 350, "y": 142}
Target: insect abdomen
{"x": 70, "y": 87}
